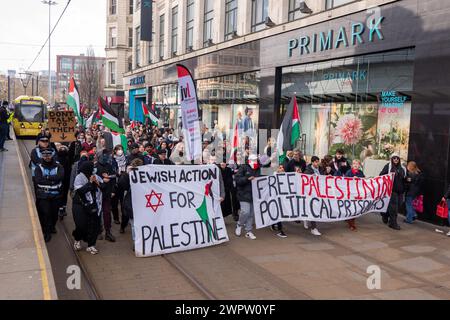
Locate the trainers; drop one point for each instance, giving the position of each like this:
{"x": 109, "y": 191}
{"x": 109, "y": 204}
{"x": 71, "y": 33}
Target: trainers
{"x": 238, "y": 230}
{"x": 385, "y": 219}
{"x": 315, "y": 232}
{"x": 92, "y": 250}
{"x": 122, "y": 230}
{"x": 394, "y": 226}
{"x": 305, "y": 225}
{"x": 274, "y": 227}
{"x": 250, "y": 235}
{"x": 47, "y": 237}
{"x": 116, "y": 221}
{"x": 448, "y": 234}
{"x": 281, "y": 234}
{"x": 77, "y": 245}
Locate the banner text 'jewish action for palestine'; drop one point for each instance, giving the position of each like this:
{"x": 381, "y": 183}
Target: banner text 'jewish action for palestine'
{"x": 294, "y": 196}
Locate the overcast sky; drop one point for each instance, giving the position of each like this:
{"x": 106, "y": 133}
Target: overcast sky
{"x": 24, "y": 28}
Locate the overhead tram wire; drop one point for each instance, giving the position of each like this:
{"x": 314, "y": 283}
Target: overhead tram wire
{"x": 54, "y": 27}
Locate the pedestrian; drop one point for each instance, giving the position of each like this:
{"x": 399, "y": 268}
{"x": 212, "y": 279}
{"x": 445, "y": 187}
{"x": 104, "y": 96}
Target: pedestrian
{"x": 134, "y": 153}
{"x": 64, "y": 160}
{"x": 414, "y": 180}
{"x": 247, "y": 172}
{"x": 398, "y": 190}
{"x": 327, "y": 166}
{"x": 162, "y": 158}
{"x": 76, "y": 147}
{"x": 340, "y": 163}
{"x": 89, "y": 144}
{"x": 230, "y": 205}
{"x": 314, "y": 169}
{"x": 36, "y": 153}
{"x": 120, "y": 162}
{"x": 355, "y": 171}
{"x": 4, "y": 127}
{"x": 108, "y": 172}
{"x": 10, "y": 119}
{"x": 446, "y": 197}
{"x": 279, "y": 226}
{"x": 48, "y": 183}
{"x": 87, "y": 207}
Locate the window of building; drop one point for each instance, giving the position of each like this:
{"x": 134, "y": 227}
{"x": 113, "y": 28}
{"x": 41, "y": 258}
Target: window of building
{"x": 138, "y": 5}
{"x": 138, "y": 47}
{"x": 130, "y": 63}
{"x": 150, "y": 52}
{"x": 161, "y": 37}
{"x": 113, "y": 36}
{"x": 294, "y": 10}
{"x": 208, "y": 18}
{"x": 130, "y": 37}
{"x": 66, "y": 64}
{"x": 230, "y": 18}
{"x": 189, "y": 24}
{"x": 130, "y": 7}
{"x": 174, "y": 29}
{"x": 112, "y": 72}
{"x": 336, "y": 3}
{"x": 260, "y": 10}
{"x": 113, "y": 7}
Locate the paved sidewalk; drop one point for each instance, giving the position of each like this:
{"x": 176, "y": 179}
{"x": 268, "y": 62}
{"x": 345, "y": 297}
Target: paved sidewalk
{"x": 25, "y": 271}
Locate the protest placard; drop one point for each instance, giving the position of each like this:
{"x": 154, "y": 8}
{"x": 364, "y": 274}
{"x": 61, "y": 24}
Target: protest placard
{"x": 62, "y": 125}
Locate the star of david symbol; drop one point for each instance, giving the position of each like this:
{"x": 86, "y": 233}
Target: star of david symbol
{"x": 154, "y": 200}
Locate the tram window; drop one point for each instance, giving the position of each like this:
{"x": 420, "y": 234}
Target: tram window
{"x": 32, "y": 114}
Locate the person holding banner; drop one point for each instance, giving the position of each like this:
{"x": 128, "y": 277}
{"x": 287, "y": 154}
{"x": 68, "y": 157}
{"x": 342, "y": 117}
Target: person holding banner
{"x": 355, "y": 171}
{"x": 243, "y": 178}
{"x": 279, "y": 226}
{"x": 398, "y": 190}
{"x": 314, "y": 169}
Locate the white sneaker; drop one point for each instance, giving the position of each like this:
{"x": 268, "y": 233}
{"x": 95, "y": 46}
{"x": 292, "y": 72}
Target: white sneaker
{"x": 92, "y": 250}
{"x": 77, "y": 245}
{"x": 448, "y": 234}
{"x": 315, "y": 232}
{"x": 250, "y": 235}
{"x": 305, "y": 224}
{"x": 238, "y": 230}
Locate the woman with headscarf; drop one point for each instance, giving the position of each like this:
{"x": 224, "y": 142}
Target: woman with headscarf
{"x": 87, "y": 207}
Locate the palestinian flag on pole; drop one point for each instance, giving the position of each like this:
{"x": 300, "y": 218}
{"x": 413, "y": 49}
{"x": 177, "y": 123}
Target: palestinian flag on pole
{"x": 289, "y": 130}
{"x": 121, "y": 139}
{"x": 234, "y": 146}
{"x": 73, "y": 100}
{"x": 151, "y": 114}
{"x": 109, "y": 117}
{"x": 203, "y": 209}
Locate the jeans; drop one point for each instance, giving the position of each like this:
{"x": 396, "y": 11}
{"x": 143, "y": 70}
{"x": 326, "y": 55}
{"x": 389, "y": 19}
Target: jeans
{"x": 247, "y": 216}
{"x": 3, "y": 133}
{"x": 410, "y": 212}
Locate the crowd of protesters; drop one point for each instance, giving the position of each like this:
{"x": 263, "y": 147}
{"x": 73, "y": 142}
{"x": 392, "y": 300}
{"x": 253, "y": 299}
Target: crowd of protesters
{"x": 96, "y": 175}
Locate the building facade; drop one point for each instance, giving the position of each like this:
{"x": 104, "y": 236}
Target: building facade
{"x": 67, "y": 65}
{"x": 371, "y": 77}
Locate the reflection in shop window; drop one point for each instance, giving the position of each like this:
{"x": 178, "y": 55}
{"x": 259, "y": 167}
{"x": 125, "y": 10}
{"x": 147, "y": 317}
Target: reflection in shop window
{"x": 347, "y": 104}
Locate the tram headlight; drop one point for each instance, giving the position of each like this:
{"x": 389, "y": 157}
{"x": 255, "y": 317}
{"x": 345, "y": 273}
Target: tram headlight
{"x": 22, "y": 126}
{"x": 40, "y": 126}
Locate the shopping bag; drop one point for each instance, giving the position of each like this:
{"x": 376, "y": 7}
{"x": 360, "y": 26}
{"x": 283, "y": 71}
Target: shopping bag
{"x": 418, "y": 204}
{"x": 442, "y": 210}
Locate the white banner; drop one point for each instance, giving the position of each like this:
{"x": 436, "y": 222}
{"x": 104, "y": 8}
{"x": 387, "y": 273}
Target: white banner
{"x": 293, "y": 196}
{"x": 176, "y": 208}
{"x": 189, "y": 114}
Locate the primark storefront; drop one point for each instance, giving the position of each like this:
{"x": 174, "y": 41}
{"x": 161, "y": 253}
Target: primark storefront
{"x": 372, "y": 83}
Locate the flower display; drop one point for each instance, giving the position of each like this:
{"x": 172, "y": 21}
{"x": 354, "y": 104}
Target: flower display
{"x": 349, "y": 128}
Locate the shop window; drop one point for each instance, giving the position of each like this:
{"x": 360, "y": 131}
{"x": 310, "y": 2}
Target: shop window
{"x": 361, "y": 105}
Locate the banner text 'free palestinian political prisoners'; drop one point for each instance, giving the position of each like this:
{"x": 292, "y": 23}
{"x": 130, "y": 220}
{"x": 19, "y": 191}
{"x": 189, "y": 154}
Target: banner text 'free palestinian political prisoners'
{"x": 176, "y": 208}
{"x": 293, "y": 196}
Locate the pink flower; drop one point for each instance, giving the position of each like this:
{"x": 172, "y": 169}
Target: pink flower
{"x": 349, "y": 128}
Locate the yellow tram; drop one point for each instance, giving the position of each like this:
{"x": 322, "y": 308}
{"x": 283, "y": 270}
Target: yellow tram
{"x": 29, "y": 115}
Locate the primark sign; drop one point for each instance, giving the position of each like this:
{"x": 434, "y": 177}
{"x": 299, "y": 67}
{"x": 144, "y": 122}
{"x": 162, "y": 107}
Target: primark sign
{"x": 332, "y": 39}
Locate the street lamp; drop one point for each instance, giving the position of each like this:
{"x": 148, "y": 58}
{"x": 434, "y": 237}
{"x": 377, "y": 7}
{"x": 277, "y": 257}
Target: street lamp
{"x": 50, "y": 4}
{"x": 25, "y": 79}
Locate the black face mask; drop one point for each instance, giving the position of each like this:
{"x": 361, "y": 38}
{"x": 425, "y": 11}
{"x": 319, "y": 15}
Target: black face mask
{"x": 87, "y": 168}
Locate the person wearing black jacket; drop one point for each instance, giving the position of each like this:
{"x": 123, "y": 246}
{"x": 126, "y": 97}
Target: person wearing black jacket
{"x": 87, "y": 206}
{"x": 414, "y": 180}
{"x": 340, "y": 163}
{"x": 48, "y": 186}
{"x": 296, "y": 164}
{"x": 107, "y": 170}
{"x": 398, "y": 190}
{"x": 243, "y": 178}
{"x": 36, "y": 153}
{"x": 230, "y": 205}
{"x": 134, "y": 154}
{"x": 4, "y": 127}
{"x": 162, "y": 158}
{"x": 63, "y": 159}
{"x": 76, "y": 147}
{"x": 314, "y": 169}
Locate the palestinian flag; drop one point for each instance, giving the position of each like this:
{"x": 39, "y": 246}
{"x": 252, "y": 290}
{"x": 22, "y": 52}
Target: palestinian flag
{"x": 109, "y": 117}
{"x": 289, "y": 130}
{"x": 121, "y": 139}
{"x": 151, "y": 114}
{"x": 73, "y": 100}
{"x": 235, "y": 145}
{"x": 203, "y": 209}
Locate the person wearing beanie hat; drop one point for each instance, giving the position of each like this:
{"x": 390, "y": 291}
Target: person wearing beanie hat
{"x": 243, "y": 178}
{"x": 398, "y": 189}
{"x": 314, "y": 169}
